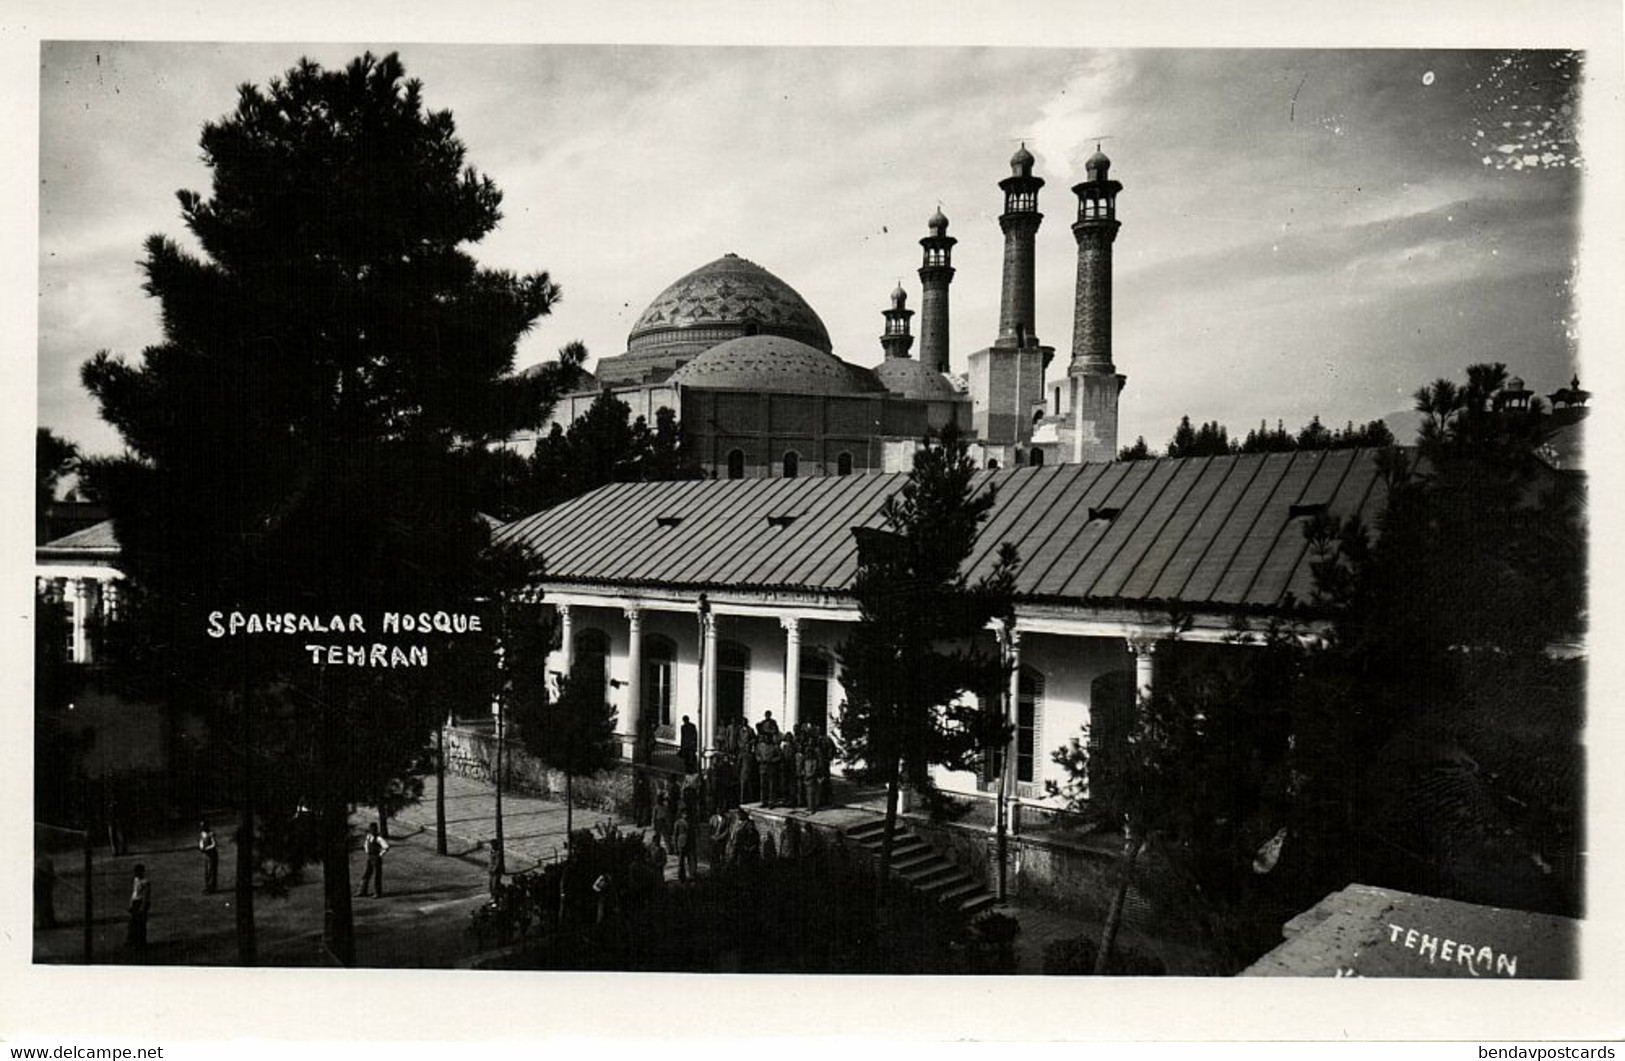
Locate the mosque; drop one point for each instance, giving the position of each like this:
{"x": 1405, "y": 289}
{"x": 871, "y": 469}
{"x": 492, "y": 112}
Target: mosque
{"x": 748, "y": 367}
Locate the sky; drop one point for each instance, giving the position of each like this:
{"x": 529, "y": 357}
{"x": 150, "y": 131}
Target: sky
{"x": 1303, "y": 232}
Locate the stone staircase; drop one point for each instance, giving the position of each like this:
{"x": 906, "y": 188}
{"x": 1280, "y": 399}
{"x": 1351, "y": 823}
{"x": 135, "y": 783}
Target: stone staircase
{"x": 919, "y": 865}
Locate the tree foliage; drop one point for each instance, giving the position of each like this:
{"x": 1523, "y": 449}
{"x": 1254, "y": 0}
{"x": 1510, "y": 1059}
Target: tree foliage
{"x": 606, "y": 445}
{"x": 302, "y": 439}
{"x": 912, "y": 656}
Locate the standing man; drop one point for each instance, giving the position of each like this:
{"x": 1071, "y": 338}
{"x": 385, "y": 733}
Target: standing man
{"x": 688, "y": 746}
{"x": 767, "y": 764}
{"x": 375, "y": 846}
{"x": 686, "y": 843}
{"x": 135, "y": 936}
{"x": 767, "y": 729}
{"x": 811, "y": 781}
{"x": 211, "y": 857}
{"x": 745, "y": 741}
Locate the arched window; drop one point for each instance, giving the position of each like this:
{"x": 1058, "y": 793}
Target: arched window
{"x": 812, "y": 693}
{"x": 659, "y": 670}
{"x": 592, "y": 660}
{"x": 1036, "y": 458}
{"x": 736, "y": 464}
{"x": 792, "y": 463}
{"x": 752, "y": 328}
{"x": 1111, "y": 720}
{"x": 733, "y": 670}
{"x": 843, "y": 464}
{"x": 992, "y": 464}
{"x": 1029, "y": 723}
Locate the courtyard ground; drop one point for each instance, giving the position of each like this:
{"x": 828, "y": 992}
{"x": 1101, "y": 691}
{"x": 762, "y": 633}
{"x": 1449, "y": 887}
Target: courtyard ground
{"x": 421, "y": 922}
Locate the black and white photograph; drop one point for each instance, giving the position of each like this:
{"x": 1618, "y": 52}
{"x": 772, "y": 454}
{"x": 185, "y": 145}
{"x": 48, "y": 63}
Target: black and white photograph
{"x": 980, "y": 512}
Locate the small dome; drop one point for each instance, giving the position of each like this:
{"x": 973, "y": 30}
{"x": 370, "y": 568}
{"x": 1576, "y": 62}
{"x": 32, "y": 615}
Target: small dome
{"x": 938, "y": 223}
{"x": 774, "y": 363}
{"x": 1515, "y": 385}
{"x": 898, "y": 296}
{"x": 1097, "y": 162}
{"x": 908, "y": 378}
{"x": 1021, "y": 163}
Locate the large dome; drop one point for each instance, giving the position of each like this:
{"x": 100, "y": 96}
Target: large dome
{"x": 729, "y": 297}
{"x": 908, "y": 378}
{"x": 774, "y": 363}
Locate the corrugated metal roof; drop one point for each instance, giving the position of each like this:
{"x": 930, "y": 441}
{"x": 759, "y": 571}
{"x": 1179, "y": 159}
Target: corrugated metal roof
{"x": 97, "y": 538}
{"x": 1201, "y": 531}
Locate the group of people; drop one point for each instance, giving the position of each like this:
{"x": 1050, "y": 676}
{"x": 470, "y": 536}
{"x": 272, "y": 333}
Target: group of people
{"x": 751, "y": 764}
{"x": 775, "y": 767}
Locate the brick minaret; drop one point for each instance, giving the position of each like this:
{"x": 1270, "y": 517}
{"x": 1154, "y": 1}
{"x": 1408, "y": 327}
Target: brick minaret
{"x": 1007, "y": 378}
{"x": 936, "y": 273}
{"x": 1020, "y": 222}
{"x": 1092, "y": 377}
{"x": 896, "y": 340}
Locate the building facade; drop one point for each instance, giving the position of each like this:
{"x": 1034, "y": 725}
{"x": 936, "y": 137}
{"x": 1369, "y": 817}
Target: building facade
{"x": 747, "y": 365}
{"x": 717, "y": 600}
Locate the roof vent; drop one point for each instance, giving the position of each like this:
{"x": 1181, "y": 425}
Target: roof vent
{"x": 780, "y": 521}
{"x": 668, "y": 521}
{"x": 1308, "y": 508}
{"x": 1103, "y": 512}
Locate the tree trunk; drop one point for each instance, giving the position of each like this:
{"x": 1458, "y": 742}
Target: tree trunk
{"x": 440, "y": 790}
{"x": 569, "y": 809}
{"x": 889, "y": 836}
{"x": 1114, "y": 913}
{"x": 383, "y": 815}
{"x": 338, "y": 925}
{"x": 243, "y": 886}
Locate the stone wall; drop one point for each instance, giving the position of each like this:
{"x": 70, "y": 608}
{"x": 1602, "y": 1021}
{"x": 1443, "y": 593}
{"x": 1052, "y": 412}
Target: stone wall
{"x": 471, "y": 753}
{"x": 1065, "y": 874}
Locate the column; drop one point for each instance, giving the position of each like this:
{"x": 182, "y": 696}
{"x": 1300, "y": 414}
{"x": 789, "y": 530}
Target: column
{"x": 567, "y": 640}
{"x": 1144, "y": 650}
{"x": 634, "y": 666}
{"x": 1012, "y": 646}
{"x": 79, "y": 589}
{"x": 708, "y": 682}
{"x": 792, "y": 671}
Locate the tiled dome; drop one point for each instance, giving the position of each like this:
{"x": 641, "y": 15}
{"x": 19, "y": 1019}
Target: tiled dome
{"x": 732, "y": 295}
{"x": 908, "y": 378}
{"x": 774, "y": 363}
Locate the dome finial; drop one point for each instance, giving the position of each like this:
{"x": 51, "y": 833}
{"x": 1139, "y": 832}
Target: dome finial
{"x": 1021, "y": 163}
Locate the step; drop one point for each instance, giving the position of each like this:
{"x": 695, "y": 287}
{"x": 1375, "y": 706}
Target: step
{"x": 867, "y": 829}
{"x": 915, "y": 860}
{"x": 977, "y": 903}
{"x": 929, "y": 873}
{"x": 948, "y": 886}
{"x": 961, "y": 890}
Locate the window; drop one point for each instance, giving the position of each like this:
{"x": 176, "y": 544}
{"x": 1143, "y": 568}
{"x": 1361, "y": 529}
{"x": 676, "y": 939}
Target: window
{"x": 992, "y": 464}
{"x": 843, "y": 464}
{"x": 792, "y": 464}
{"x": 1036, "y": 458}
{"x": 812, "y": 693}
{"x": 1029, "y": 716}
{"x": 659, "y": 667}
{"x": 592, "y": 660}
{"x": 736, "y": 464}
{"x": 733, "y": 670}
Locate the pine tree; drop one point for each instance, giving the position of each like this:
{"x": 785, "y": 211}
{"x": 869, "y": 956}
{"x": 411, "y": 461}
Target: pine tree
{"x": 911, "y": 656}
{"x": 302, "y": 438}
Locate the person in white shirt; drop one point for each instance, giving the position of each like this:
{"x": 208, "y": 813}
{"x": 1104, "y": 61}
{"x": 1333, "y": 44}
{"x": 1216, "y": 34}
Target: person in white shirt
{"x": 375, "y": 847}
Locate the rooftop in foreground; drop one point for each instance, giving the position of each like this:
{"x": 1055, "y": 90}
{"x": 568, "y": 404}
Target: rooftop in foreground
{"x": 1217, "y": 533}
